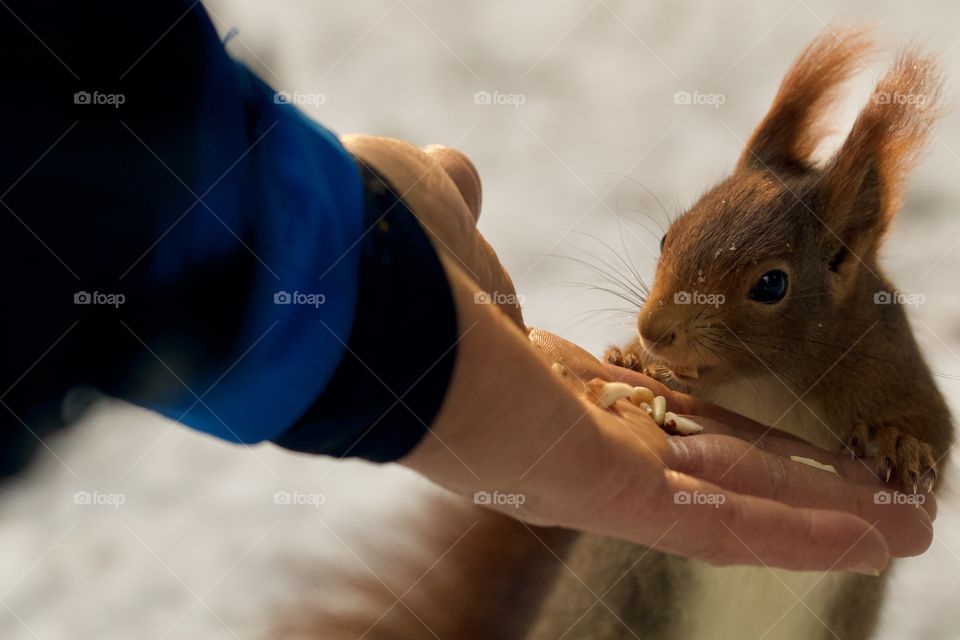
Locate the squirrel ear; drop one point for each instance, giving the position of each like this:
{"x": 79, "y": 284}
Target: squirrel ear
{"x": 791, "y": 131}
{"x": 863, "y": 184}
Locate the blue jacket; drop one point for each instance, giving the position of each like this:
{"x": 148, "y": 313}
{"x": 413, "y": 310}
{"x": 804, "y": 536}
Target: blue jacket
{"x": 175, "y": 233}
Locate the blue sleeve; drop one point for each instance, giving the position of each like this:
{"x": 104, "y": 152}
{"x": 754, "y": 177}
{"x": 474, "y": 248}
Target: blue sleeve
{"x": 173, "y": 233}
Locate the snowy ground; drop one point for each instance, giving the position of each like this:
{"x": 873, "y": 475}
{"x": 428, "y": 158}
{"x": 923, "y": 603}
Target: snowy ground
{"x": 200, "y": 548}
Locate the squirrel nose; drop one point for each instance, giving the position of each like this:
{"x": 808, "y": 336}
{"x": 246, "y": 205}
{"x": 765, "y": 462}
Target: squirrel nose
{"x": 657, "y": 336}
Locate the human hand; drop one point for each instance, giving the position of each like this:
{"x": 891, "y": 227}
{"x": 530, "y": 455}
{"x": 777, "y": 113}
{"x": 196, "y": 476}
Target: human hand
{"x": 509, "y": 424}
{"x": 739, "y": 455}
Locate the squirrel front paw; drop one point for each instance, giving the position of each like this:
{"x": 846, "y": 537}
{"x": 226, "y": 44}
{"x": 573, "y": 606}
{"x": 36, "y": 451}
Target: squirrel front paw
{"x": 629, "y": 357}
{"x": 626, "y": 358}
{"x": 897, "y": 453}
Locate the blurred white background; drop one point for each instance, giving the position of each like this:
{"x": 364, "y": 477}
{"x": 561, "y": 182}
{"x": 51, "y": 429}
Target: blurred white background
{"x": 581, "y": 123}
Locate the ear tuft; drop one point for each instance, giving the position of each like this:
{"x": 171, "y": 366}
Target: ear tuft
{"x": 791, "y": 130}
{"x": 865, "y": 180}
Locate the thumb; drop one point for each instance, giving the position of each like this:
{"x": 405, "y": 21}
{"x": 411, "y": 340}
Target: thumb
{"x": 462, "y": 172}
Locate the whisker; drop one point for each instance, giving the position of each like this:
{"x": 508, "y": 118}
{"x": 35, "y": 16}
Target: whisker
{"x": 592, "y": 314}
{"x": 827, "y": 360}
{"x": 627, "y": 265}
{"x": 719, "y": 356}
{"x": 625, "y": 296}
{"x": 623, "y": 245}
{"x": 656, "y": 236}
{"x": 851, "y": 351}
{"x": 648, "y": 191}
{"x": 612, "y": 278}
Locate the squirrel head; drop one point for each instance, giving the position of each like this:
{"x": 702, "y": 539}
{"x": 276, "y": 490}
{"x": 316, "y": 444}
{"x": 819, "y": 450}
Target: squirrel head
{"x": 785, "y": 248}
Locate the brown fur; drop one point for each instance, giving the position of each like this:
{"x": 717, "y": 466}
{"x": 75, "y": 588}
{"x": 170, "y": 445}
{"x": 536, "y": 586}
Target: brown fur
{"x": 828, "y": 340}
{"x": 448, "y": 569}
{"x": 790, "y": 133}
{"x": 853, "y": 363}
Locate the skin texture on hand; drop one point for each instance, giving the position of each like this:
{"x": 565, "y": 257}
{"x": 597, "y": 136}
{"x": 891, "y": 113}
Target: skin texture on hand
{"x": 509, "y": 424}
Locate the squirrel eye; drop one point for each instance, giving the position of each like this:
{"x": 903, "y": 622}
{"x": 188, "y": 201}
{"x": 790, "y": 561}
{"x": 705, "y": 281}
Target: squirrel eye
{"x": 662, "y": 241}
{"x": 770, "y": 288}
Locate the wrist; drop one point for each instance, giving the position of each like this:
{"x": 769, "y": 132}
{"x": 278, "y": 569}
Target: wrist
{"x": 507, "y": 421}
{"x": 397, "y": 362}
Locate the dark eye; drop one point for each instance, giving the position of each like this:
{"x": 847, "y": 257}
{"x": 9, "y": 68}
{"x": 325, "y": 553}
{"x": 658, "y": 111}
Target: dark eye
{"x": 662, "y": 241}
{"x": 770, "y": 288}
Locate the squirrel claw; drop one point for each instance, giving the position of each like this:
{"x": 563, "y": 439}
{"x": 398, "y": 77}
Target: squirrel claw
{"x": 626, "y": 358}
{"x": 858, "y": 440}
{"x": 897, "y": 453}
{"x": 929, "y": 480}
{"x": 853, "y": 446}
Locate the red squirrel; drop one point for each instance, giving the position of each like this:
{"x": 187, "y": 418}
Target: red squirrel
{"x": 774, "y": 271}
{"x": 768, "y": 299}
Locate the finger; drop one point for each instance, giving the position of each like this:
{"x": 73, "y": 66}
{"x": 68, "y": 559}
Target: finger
{"x": 726, "y": 528}
{"x": 463, "y": 173}
{"x": 774, "y": 441}
{"x": 506, "y": 297}
{"x": 786, "y": 445}
{"x": 426, "y": 188}
{"x": 439, "y": 205}
{"x": 579, "y": 361}
{"x": 738, "y": 466}
{"x": 682, "y": 403}
{"x": 584, "y": 365}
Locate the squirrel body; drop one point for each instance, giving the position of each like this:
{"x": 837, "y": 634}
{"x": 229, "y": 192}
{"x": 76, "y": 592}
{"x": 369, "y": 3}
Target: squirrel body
{"x": 768, "y": 300}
